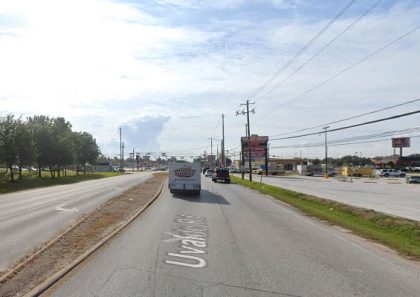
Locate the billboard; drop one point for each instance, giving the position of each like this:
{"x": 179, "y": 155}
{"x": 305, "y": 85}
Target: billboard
{"x": 211, "y": 159}
{"x": 258, "y": 145}
{"x": 401, "y": 142}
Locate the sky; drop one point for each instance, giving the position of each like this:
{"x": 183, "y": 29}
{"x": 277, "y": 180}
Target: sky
{"x": 165, "y": 71}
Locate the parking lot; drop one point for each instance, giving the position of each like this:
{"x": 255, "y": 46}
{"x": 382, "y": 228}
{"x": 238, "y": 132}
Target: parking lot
{"x": 389, "y": 195}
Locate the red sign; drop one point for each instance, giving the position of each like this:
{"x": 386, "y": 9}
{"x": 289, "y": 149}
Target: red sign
{"x": 258, "y": 145}
{"x": 401, "y": 142}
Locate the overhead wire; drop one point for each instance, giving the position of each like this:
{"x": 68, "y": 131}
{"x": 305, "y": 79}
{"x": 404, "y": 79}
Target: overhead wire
{"x": 305, "y": 47}
{"x": 344, "y": 143}
{"x": 350, "y": 118}
{"x": 350, "y": 126}
{"x": 343, "y": 71}
{"x": 353, "y": 138}
{"x": 324, "y": 47}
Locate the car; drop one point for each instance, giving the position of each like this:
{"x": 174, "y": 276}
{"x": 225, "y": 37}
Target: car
{"x": 221, "y": 174}
{"x": 209, "y": 173}
{"x": 413, "y": 179}
{"x": 390, "y": 173}
{"x": 234, "y": 170}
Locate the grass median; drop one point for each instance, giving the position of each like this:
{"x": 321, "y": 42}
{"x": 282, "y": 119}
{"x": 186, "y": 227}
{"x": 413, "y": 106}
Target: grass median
{"x": 400, "y": 234}
{"x": 31, "y": 181}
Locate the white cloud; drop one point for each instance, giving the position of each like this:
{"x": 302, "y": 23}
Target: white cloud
{"x": 194, "y": 4}
{"x": 102, "y": 64}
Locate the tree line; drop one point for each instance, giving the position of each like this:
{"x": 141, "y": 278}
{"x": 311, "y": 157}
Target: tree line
{"x": 44, "y": 142}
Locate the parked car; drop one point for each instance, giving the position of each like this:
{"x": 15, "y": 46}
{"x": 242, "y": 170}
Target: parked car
{"x": 391, "y": 173}
{"x": 272, "y": 169}
{"x": 209, "y": 173}
{"x": 234, "y": 170}
{"x": 413, "y": 179}
{"x": 221, "y": 174}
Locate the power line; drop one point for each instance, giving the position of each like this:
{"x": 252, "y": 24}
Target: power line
{"x": 188, "y": 150}
{"x": 350, "y": 118}
{"x": 343, "y": 71}
{"x": 351, "y": 126}
{"x": 305, "y": 47}
{"x": 354, "y": 138}
{"x": 369, "y": 141}
{"x": 349, "y": 143}
{"x": 340, "y": 144}
{"x": 233, "y": 147}
{"x": 324, "y": 47}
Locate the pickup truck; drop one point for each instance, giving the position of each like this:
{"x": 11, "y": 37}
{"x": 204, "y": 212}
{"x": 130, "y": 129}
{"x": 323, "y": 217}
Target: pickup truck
{"x": 390, "y": 173}
{"x": 221, "y": 174}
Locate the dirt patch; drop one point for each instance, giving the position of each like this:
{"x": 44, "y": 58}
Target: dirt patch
{"x": 79, "y": 239}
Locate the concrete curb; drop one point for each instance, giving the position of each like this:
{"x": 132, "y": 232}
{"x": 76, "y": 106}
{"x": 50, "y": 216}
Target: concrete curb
{"x": 58, "y": 275}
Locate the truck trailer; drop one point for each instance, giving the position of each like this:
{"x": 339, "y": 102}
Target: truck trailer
{"x": 184, "y": 177}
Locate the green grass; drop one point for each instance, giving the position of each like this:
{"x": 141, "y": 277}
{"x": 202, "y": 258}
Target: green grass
{"x": 31, "y": 181}
{"x": 402, "y": 235}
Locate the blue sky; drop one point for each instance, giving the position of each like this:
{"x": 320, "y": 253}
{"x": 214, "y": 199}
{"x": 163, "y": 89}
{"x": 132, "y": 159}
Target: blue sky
{"x": 165, "y": 70}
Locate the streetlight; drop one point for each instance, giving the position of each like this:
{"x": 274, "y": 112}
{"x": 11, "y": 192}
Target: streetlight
{"x": 326, "y": 151}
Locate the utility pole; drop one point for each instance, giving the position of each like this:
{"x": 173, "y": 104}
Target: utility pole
{"x": 133, "y": 159}
{"x": 243, "y": 112}
{"x": 217, "y": 155}
{"x": 301, "y": 162}
{"x": 122, "y": 159}
{"x": 227, "y": 156}
{"x": 223, "y": 141}
{"x": 211, "y": 151}
{"x": 120, "y": 148}
{"x": 326, "y": 151}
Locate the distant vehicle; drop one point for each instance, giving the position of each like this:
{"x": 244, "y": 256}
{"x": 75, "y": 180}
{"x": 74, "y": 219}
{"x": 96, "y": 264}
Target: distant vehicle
{"x": 390, "y": 173}
{"x": 312, "y": 170}
{"x": 272, "y": 169}
{"x": 332, "y": 172}
{"x": 234, "y": 170}
{"x": 221, "y": 174}
{"x": 184, "y": 177}
{"x": 357, "y": 171}
{"x": 413, "y": 179}
{"x": 209, "y": 173}
{"x": 117, "y": 169}
{"x": 205, "y": 169}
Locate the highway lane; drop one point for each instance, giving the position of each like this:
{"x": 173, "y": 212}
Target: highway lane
{"x": 231, "y": 241}
{"x": 30, "y": 218}
{"x": 390, "y": 196}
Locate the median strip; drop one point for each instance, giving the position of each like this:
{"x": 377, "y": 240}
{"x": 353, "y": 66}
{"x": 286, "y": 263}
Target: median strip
{"x": 59, "y": 256}
{"x": 400, "y": 234}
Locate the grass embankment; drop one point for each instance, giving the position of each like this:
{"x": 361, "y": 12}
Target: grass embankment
{"x": 31, "y": 181}
{"x": 402, "y": 235}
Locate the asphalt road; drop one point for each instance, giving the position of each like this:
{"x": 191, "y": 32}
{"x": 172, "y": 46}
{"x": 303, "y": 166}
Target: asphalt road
{"x": 30, "y": 218}
{"x": 231, "y": 241}
{"x": 392, "y": 196}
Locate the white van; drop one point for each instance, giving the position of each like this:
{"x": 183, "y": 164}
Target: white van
{"x": 184, "y": 177}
